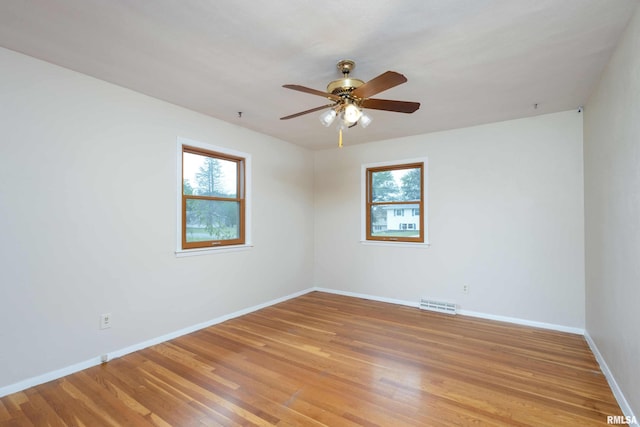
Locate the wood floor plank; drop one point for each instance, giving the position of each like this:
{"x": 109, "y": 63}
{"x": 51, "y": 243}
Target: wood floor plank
{"x": 330, "y": 360}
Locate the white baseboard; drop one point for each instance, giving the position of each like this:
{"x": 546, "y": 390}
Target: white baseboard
{"x": 49, "y": 376}
{"x": 524, "y": 322}
{"x": 197, "y": 327}
{"x": 622, "y": 401}
{"x": 513, "y": 320}
{"x": 94, "y": 361}
{"x": 369, "y": 297}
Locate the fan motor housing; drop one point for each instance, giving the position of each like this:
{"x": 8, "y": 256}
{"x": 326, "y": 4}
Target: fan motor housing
{"x": 343, "y": 87}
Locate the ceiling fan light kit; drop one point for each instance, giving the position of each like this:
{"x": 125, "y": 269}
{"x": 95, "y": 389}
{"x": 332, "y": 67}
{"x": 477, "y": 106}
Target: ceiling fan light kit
{"x": 350, "y": 96}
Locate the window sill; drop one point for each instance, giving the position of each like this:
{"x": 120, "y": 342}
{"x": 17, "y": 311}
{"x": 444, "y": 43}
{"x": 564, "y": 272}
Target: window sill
{"x": 395, "y": 244}
{"x": 207, "y": 251}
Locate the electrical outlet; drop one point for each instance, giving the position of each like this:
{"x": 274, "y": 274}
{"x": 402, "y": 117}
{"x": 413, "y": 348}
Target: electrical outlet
{"x": 465, "y": 288}
{"x": 105, "y": 321}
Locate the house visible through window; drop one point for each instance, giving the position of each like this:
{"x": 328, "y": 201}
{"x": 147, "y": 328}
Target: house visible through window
{"x": 213, "y": 198}
{"x": 395, "y": 196}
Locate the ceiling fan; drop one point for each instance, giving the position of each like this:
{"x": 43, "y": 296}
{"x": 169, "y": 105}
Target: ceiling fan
{"x": 350, "y": 96}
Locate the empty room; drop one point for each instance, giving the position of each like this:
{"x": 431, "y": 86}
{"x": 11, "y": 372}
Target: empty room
{"x": 233, "y": 213}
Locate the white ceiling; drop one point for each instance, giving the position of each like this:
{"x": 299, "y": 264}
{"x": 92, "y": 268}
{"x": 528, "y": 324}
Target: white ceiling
{"x": 468, "y": 61}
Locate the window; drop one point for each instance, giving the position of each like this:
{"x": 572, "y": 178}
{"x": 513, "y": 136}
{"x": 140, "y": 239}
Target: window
{"x": 393, "y": 195}
{"x": 213, "y": 197}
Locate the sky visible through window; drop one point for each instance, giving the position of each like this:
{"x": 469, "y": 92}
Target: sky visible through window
{"x": 193, "y": 164}
{"x": 398, "y": 174}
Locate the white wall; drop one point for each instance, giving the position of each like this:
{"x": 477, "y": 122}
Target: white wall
{"x": 505, "y": 217}
{"x": 612, "y": 214}
{"x": 88, "y": 219}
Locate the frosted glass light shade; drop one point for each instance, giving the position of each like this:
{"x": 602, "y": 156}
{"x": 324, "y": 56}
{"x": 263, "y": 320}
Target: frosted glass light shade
{"x": 365, "y": 120}
{"x": 328, "y": 117}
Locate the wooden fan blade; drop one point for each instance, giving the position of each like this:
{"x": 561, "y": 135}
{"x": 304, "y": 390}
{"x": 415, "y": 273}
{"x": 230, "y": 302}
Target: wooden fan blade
{"x": 390, "y": 105}
{"x": 306, "y": 112}
{"x": 378, "y": 84}
{"x": 312, "y": 91}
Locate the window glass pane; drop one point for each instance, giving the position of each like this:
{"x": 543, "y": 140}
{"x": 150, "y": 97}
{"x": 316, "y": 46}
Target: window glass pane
{"x": 208, "y": 176}
{"x": 212, "y": 220}
{"x": 395, "y": 220}
{"x": 395, "y": 185}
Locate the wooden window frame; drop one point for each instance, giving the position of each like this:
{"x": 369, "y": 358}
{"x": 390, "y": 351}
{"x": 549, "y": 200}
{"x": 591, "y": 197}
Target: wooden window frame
{"x": 369, "y": 203}
{"x": 240, "y": 199}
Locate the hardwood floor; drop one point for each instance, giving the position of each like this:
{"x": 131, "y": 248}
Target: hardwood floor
{"x": 329, "y": 360}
